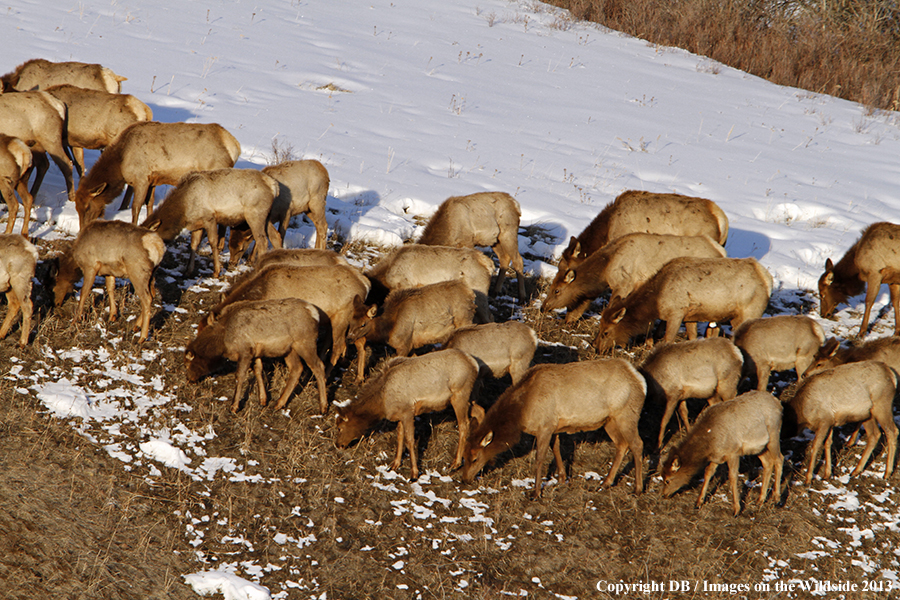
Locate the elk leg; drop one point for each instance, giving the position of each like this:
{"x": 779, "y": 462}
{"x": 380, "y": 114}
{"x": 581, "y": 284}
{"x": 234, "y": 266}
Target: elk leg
{"x": 258, "y": 230}
{"x": 144, "y": 290}
{"x": 240, "y": 379}
{"x": 12, "y": 204}
{"x": 828, "y": 466}
{"x": 557, "y": 457}
{"x": 814, "y": 451}
{"x": 41, "y": 165}
{"x": 274, "y": 236}
{"x": 86, "y": 285}
{"x": 317, "y": 366}
{"x": 360, "y": 344}
{"x": 895, "y": 304}
{"x": 78, "y": 159}
{"x": 62, "y": 161}
{"x": 542, "y": 443}
{"x": 503, "y": 259}
{"x": 212, "y": 236}
{"x": 321, "y": 224}
{"x": 667, "y": 416}
{"x": 873, "y": 434}
{"x": 707, "y": 477}
{"x": 672, "y": 327}
{"x": 295, "y": 369}
{"x": 27, "y": 202}
{"x": 111, "y": 297}
{"x": 733, "y": 464}
{"x": 625, "y": 435}
{"x": 261, "y": 384}
{"x": 769, "y": 460}
{"x": 574, "y": 313}
{"x": 142, "y": 190}
{"x": 872, "y": 287}
{"x": 762, "y": 376}
{"x": 26, "y": 307}
{"x": 126, "y": 199}
{"x": 196, "y": 238}
{"x": 690, "y": 329}
{"x": 13, "y": 305}
{"x": 459, "y": 400}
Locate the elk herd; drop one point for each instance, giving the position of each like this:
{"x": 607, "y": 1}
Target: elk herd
{"x": 661, "y": 256}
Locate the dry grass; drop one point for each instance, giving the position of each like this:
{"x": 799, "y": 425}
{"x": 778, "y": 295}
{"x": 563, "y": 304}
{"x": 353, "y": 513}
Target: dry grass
{"x": 845, "y": 48}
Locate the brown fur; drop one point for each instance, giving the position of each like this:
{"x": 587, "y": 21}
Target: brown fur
{"x": 287, "y": 328}
{"x": 204, "y": 200}
{"x": 18, "y": 259}
{"x": 872, "y": 260}
{"x": 97, "y": 117}
{"x": 777, "y": 344}
{"x": 552, "y": 399}
{"x": 749, "y": 424}
{"x": 15, "y": 167}
{"x": 148, "y": 154}
{"x": 408, "y": 387}
{"x": 39, "y": 74}
{"x": 859, "y": 391}
{"x": 646, "y": 212}
{"x": 331, "y": 288}
{"x": 708, "y": 369}
{"x": 39, "y": 120}
{"x": 830, "y": 355}
{"x": 112, "y": 249}
{"x": 412, "y": 318}
{"x": 499, "y": 348}
{"x": 622, "y": 266}
{"x": 687, "y": 290}
{"x": 483, "y": 219}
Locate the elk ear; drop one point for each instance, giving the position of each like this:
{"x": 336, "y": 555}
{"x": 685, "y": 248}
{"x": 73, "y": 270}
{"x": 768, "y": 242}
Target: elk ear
{"x": 487, "y": 439}
{"x": 189, "y": 355}
{"x": 98, "y": 190}
{"x": 831, "y": 347}
{"x": 155, "y": 226}
{"x": 828, "y": 279}
{"x": 570, "y": 276}
{"x": 373, "y": 310}
{"x": 618, "y": 315}
{"x": 676, "y": 464}
{"x": 577, "y": 250}
{"x": 476, "y": 414}
{"x": 210, "y": 319}
{"x": 829, "y": 266}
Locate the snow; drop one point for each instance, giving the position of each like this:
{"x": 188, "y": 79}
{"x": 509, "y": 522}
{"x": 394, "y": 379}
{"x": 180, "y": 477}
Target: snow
{"x": 408, "y": 104}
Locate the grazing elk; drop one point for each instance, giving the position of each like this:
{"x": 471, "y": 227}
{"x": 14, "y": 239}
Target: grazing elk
{"x": 646, "y": 212}
{"x": 111, "y": 249}
{"x": 483, "y": 219}
{"x": 872, "y": 260}
{"x": 687, "y": 290}
{"x": 39, "y": 74}
{"x": 748, "y": 424}
{"x": 204, "y": 200}
{"x": 412, "y": 318}
{"x": 97, "y": 117}
{"x": 415, "y": 265}
{"x": 830, "y": 355}
{"x": 39, "y": 120}
{"x": 18, "y": 259}
{"x": 148, "y": 154}
{"x": 406, "y": 388}
{"x": 777, "y": 344}
{"x": 851, "y": 393}
{"x": 331, "y": 288}
{"x": 706, "y": 369}
{"x": 15, "y": 167}
{"x": 622, "y": 266}
{"x": 500, "y": 348}
{"x": 552, "y": 399}
{"x": 246, "y": 332}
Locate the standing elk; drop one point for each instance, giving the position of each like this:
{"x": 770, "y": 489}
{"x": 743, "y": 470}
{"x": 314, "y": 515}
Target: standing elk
{"x": 415, "y": 265}
{"x": 500, "y": 348}
{"x": 406, "y": 388}
{"x": 622, "y": 266}
{"x": 97, "y": 117}
{"x": 687, "y": 290}
{"x": 851, "y": 393}
{"x": 18, "y": 259}
{"x": 645, "y": 212}
{"x": 552, "y": 399}
{"x": 248, "y": 331}
{"x": 483, "y": 219}
{"x": 39, "y": 120}
{"x": 749, "y": 424}
{"x": 148, "y": 154}
{"x": 15, "y": 167}
{"x": 830, "y": 355}
{"x": 331, "y": 288}
{"x": 204, "y": 200}
{"x": 705, "y": 369}
{"x": 412, "y": 318}
{"x": 39, "y": 74}
{"x": 777, "y": 344}
{"x": 872, "y": 260}
{"x": 111, "y": 249}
